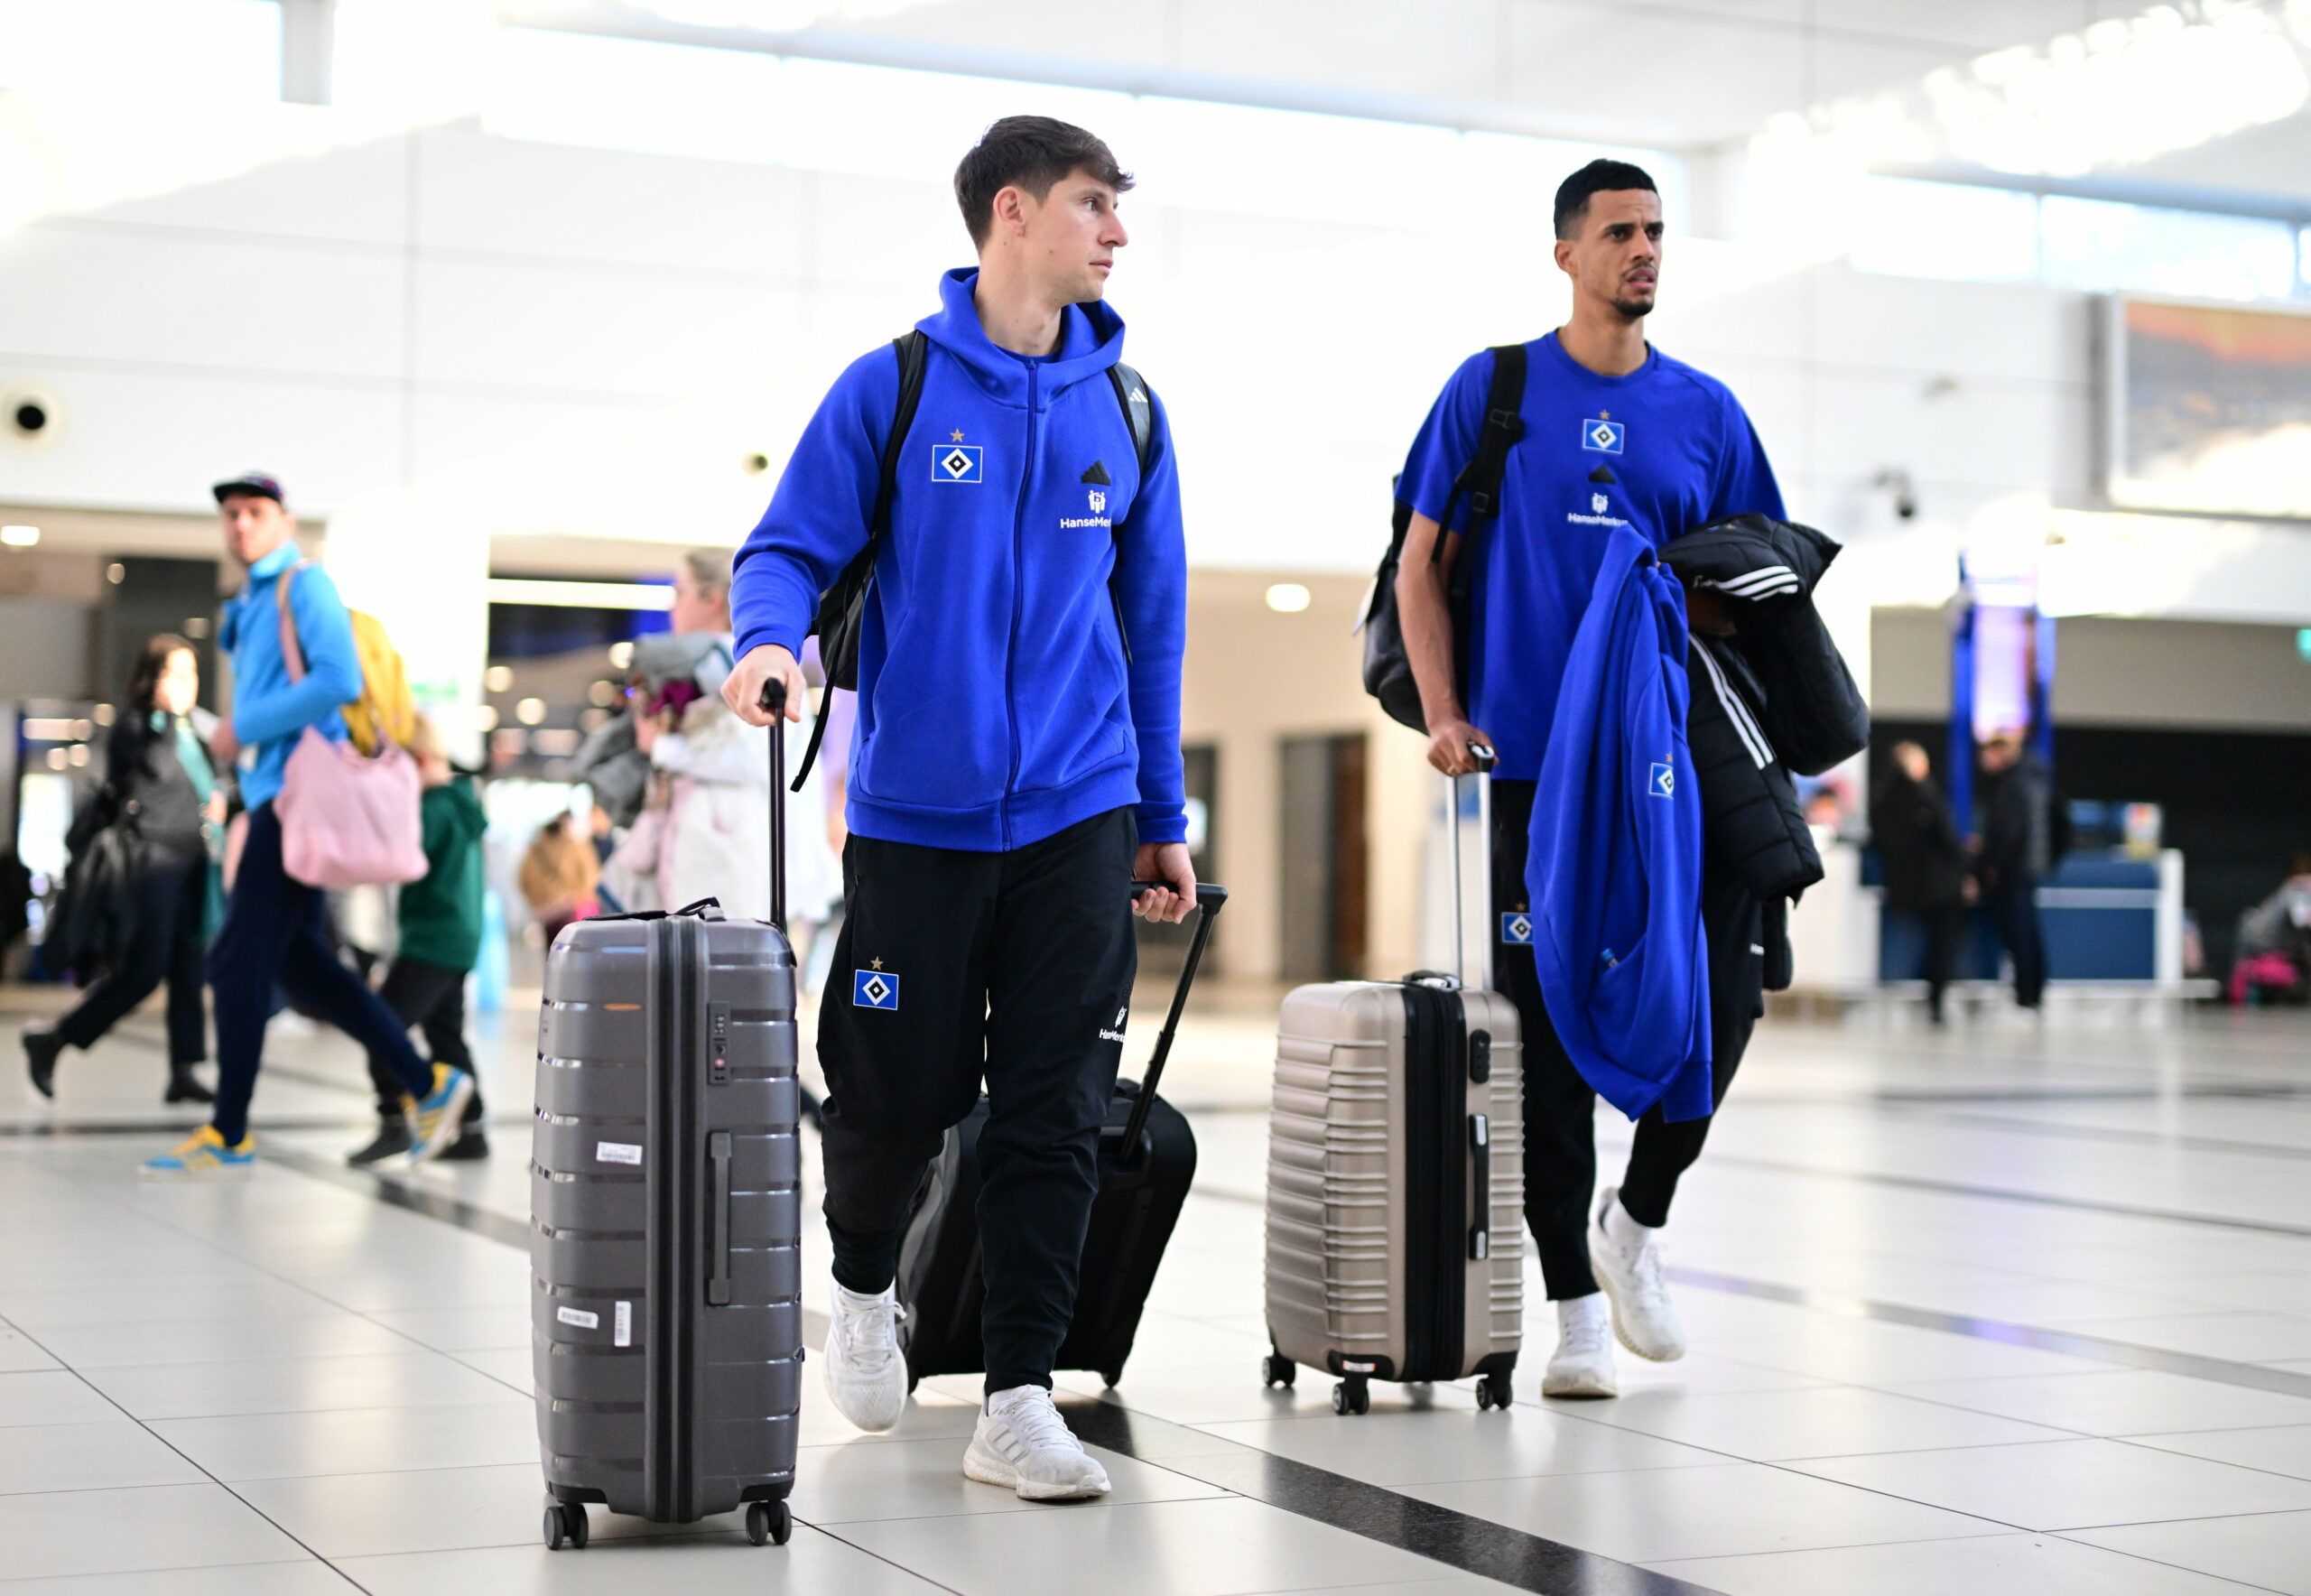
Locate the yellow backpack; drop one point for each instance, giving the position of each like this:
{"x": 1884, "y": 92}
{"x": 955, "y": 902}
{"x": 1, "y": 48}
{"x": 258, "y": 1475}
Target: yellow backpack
{"x": 385, "y": 712}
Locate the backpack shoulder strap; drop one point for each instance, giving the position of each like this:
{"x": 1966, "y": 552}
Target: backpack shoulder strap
{"x": 1504, "y": 424}
{"x": 1138, "y": 409}
{"x": 914, "y": 350}
{"x": 1139, "y": 417}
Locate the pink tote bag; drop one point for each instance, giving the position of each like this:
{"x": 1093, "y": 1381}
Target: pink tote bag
{"x": 345, "y": 821}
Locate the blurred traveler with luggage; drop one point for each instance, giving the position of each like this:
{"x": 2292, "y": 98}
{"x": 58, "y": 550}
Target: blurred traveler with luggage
{"x": 275, "y": 932}
{"x": 2273, "y": 962}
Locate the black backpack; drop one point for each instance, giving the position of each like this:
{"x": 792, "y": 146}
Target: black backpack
{"x": 842, "y": 608}
{"x": 1387, "y": 669}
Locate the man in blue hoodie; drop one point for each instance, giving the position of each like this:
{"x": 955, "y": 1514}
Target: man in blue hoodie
{"x": 1613, "y": 434}
{"x": 1016, "y": 764}
{"x": 276, "y": 933}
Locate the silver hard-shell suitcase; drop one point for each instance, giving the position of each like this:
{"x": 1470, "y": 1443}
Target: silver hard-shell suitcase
{"x": 1396, "y": 1177}
{"x": 666, "y": 1294}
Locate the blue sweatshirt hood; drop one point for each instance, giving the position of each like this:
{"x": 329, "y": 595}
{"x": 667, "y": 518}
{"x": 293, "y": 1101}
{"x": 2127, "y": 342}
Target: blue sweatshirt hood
{"x": 1091, "y": 340}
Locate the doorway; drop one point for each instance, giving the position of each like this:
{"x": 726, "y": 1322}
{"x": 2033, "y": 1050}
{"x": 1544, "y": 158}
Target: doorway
{"x": 1325, "y": 858}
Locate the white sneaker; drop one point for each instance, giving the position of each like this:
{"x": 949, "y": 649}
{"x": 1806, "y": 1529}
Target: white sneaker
{"x": 866, "y": 1372}
{"x": 1582, "y": 1365}
{"x": 1626, "y": 1258}
{"x": 1022, "y": 1441}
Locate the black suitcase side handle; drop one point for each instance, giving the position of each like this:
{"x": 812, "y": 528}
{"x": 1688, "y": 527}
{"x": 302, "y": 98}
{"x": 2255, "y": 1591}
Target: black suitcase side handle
{"x": 1209, "y": 900}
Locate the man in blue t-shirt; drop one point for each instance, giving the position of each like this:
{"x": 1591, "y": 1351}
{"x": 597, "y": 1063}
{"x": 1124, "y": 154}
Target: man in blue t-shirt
{"x": 1614, "y": 434}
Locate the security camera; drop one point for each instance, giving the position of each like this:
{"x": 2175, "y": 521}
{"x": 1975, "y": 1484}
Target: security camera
{"x": 30, "y": 414}
{"x": 1896, "y": 481}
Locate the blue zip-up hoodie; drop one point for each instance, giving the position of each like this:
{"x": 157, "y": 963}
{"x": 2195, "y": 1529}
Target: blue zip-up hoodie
{"x": 1614, "y": 868}
{"x": 995, "y": 703}
{"x": 270, "y": 712}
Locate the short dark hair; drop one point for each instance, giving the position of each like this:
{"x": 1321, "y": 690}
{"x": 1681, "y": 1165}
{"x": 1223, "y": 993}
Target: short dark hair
{"x": 1597, "y": 177}
{"x": 1030, "y": 152}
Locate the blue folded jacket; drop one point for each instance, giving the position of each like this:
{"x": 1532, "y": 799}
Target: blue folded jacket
{"x": 1614, "y": 868}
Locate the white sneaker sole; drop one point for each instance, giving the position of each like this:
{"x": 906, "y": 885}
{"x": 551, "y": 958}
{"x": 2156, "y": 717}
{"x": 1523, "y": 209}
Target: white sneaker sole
{"x": 1579, "y": 1387}
{"x": 1620, "y": 1328}
{"x": 993, "y": 1470}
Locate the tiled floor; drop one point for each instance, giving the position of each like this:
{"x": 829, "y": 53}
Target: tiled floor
{"x": 2001, "y": 1311}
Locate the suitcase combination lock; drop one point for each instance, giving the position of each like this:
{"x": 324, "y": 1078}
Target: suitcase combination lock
{"x": 718, "y": 1043}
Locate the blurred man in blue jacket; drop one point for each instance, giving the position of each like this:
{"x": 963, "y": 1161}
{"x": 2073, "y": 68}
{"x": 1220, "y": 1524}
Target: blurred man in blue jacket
{"x": 1614, "y": 435}
{"x": 277, "y": 929}
{"x": 1016, "y": 764}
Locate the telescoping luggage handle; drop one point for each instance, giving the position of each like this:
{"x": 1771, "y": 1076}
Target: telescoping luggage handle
{"x": 1481, "y": 974}
{"x": 1208, "y": 900}
{"x": 774, "y": 704}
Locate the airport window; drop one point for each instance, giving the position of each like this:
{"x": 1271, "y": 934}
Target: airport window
{"x": 1915, "y": 229}
{"x": 215, "y": 49}
{"x": 2099, "y": 244}
{"x": 729, "y": 104}
{"x": 1924, "y": 229}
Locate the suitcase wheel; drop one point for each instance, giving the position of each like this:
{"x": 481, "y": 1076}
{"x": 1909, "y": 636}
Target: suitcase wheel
{"x": 1353, "y": 1394}
{"x": 566, "y": 1525}
{"x": 1496, "y": 1390}
{"x": 1277, "y": 1369}
{"x": 1111, "y": 1377}
{"x": 769, "y": 1521}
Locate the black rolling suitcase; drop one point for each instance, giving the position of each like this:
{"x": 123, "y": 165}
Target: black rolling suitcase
{"x": 1147, "y": 1162}
{"x": 666, "y": 1295}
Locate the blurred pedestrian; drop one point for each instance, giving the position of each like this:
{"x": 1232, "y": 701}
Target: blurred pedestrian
{"x": 559, "y": 875}
{"x": 440, "y": 944}
{"x": 275, "y": 932}
{"x": 159, "y": 783}
{"x": 2015, "y": 852}
{"x": 1926, "y": 874}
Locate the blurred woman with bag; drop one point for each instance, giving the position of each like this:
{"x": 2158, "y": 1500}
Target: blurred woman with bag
{"x": 161, "y": 799}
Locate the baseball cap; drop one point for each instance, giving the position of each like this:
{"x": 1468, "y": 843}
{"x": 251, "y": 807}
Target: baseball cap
{"x": 256, "y": 483}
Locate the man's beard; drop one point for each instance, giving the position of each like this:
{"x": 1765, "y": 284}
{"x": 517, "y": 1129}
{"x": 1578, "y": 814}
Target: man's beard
{"x": 1633, "y": 309}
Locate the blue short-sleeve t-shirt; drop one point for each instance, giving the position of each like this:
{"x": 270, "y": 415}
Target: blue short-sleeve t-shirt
{"x": 1665, "y": 448}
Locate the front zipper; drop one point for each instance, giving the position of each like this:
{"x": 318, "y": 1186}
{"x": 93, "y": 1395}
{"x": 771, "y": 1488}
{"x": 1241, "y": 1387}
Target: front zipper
{"x": 1019, "y": 603}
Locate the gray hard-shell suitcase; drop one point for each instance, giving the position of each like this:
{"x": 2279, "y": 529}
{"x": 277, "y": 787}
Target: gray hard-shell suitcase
{"x": 1395, "y": 1159}
{"x": 666, "y": 1299}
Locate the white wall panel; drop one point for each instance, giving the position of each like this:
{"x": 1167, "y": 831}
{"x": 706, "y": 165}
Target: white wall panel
{"x": 355, "y": 193}
{"x": 628, "y": 330}
{"x": 1690, "y": 81}
{"x": 146, "y": 439}
{"x": 885, "y": 232}
{"x": 1933, "y": 328}
{"x": 554, "y": 202}
{"x": 199, "y": 301}
{"x": 1994, "y": 435}
{"x": 1445, "y": 48}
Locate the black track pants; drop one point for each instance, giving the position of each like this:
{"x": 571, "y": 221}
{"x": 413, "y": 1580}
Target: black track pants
{"x": 433, "y": 997}
{"x": 953, "y": 966}
{"x": 171, "y": 895}
{"x": 1559, "y": 1109}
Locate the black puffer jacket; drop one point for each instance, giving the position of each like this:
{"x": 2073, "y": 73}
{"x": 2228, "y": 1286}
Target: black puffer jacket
{"x": 1773, "y": 698}
{"x": 1767, "y": 570}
